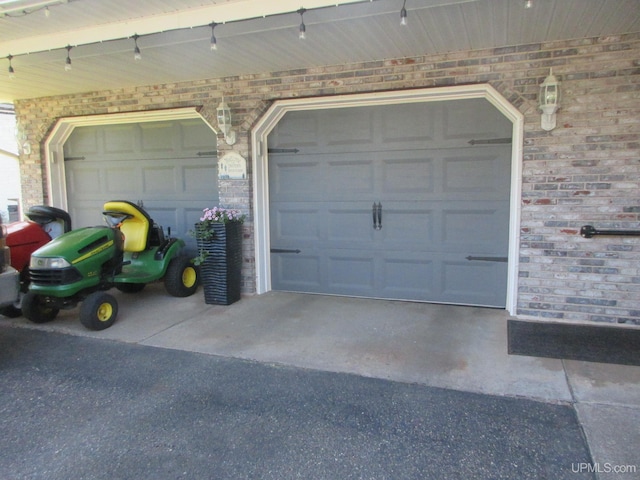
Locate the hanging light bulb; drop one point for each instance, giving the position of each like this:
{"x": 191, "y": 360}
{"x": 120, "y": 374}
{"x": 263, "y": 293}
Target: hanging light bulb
{"x": 12, "y": 72}
{"x": 528, "y": 4}
{"x": 137, "y": 55}
{"x": 214, "y": 42}
{"x": 303, "y": 28}
{"x": 403, "y": 14}
{"x": 67, "y": 63}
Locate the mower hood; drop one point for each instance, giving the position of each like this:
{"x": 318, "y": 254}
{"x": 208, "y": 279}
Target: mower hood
{"x": 76, "y": 246}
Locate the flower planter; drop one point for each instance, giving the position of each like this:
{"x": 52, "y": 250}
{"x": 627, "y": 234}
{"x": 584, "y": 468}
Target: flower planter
{"x": 220, "y": 272}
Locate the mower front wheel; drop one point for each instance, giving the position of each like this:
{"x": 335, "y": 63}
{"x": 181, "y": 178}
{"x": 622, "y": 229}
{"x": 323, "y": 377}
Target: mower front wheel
{"x": 98, "y": 311}
{"x": 35, "y": 308}
{"x": 182, "y": 277}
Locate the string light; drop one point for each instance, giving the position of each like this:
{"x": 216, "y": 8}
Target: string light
{"x": 213, "y": 45}
{"x": 24, "y": 10}
{"x": 214, "y": 42}
{"x": 403, "y": 14}
{"x": 137, "y": 55}
{"x": 12, "y": 72}
{"x": 303, "y": 28}
{"x": 67, "y": 63}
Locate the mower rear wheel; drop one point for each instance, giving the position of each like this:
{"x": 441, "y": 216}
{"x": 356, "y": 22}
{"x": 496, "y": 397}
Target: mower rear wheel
{"x": 98, "y": 311}
{"x": 182, "y": 277}
{"x": 35, "y": 308}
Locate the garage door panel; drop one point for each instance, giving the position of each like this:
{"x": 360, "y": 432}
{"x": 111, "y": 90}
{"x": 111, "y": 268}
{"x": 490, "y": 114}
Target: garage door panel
{"x": 349, "y": 126}
{"x": 199, "y": 178}
{"x": 118, "y": 181}
{"x": 296, "y": 271}
{"x": 84, "y": 180}
{"x": 351, "y": 225}
{"x": 195, "y": 136}
{"x": 301, "y": 130}
{"x": 117, "y": 139}
{"x": 407, "y": 278}
{"x": 407, "y": 227}
{"x": 85, "y": 141}
{"x": 472, "y": 119}
{"x": 160, "y": 179}
{"x": 350, "y": 273}
{"x": 157, "y": 137}
{"x": 475, "y": 174}
{"x": 473, "y": 229}
{"x": 412, "y": 123}
{"x": 290, "y": 178}
{"x": 350, "y": 176}
{"x": 88, "y": 215}
{"x": 408, "y": 175}
{"x": 470, "y": 282}
{"x": 293, "y": 224}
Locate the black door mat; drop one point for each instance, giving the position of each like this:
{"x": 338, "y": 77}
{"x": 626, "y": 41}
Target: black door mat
{"x": 601, "y": 344}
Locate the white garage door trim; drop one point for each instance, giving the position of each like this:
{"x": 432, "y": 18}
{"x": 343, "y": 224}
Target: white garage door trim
{"x": 53, "y": 146}
{"x": 281, "y": 107}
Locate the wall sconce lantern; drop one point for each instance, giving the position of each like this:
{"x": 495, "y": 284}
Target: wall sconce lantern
{"x": 224, "y": 122}
{"x": 549, "y": 101}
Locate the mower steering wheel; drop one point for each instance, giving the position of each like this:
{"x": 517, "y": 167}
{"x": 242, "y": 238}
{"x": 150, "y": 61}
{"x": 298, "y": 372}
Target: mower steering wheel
{"x": 115, "y": 218}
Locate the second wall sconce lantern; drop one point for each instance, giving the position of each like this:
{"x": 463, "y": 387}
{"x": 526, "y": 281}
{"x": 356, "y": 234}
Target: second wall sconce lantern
{"x": 224, "y": 122}
{"x": 549, "y": 101}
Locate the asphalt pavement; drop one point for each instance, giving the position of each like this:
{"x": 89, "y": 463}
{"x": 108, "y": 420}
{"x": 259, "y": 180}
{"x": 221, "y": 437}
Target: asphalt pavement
{"x": 75, "y": 407}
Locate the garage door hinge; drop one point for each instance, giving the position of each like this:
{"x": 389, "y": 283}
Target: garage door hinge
{"x": 283, "y": 150}
{"x": 490, "y": 141}
{"x": 488, "y": 259}
{"x": 284, "y": 250}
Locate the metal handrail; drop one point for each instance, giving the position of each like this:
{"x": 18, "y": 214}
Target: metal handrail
{"x": 588, "y": 231}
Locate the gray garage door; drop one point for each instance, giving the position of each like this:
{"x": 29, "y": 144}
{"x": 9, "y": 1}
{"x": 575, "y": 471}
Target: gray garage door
{"x": 401, "y": 202}
{"x": 170, "y": 167}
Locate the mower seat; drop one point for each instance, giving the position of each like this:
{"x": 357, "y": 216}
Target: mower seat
{"x": 135, "y": 227}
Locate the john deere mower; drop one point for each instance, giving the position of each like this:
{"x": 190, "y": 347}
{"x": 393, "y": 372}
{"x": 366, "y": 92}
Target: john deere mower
{"x": 80, "y": 266}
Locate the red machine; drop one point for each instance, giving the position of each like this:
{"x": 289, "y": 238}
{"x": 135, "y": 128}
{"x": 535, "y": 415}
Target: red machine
{"x": 21, "y": 240}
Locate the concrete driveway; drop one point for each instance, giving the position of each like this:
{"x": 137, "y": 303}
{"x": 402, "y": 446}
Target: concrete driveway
{"x": 458, "y": 348}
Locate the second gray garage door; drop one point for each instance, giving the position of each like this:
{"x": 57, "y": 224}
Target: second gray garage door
{"x": 400, "y": 202}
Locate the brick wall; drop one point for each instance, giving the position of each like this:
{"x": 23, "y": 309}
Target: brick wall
{"x": 586, "y": 171}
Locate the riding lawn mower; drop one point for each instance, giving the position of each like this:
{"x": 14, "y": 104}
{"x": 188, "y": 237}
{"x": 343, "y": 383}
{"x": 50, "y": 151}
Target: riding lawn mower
{"x": 80, "y": 266}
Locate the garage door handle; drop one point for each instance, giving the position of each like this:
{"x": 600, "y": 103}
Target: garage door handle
{"x": 376, "y": 211}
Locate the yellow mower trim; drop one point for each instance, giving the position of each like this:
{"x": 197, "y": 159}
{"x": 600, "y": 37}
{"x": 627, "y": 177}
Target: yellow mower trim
{"x": 93, "y": 252}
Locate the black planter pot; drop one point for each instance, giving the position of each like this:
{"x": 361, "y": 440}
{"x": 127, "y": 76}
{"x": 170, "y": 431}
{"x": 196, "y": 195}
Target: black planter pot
{"x": 220, "y": 273}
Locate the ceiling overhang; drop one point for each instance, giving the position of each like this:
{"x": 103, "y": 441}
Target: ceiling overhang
{"x": 183, "y": 19}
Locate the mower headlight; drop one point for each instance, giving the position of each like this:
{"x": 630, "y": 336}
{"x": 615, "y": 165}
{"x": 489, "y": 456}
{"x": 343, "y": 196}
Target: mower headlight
{"x": 48, "y": 262}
